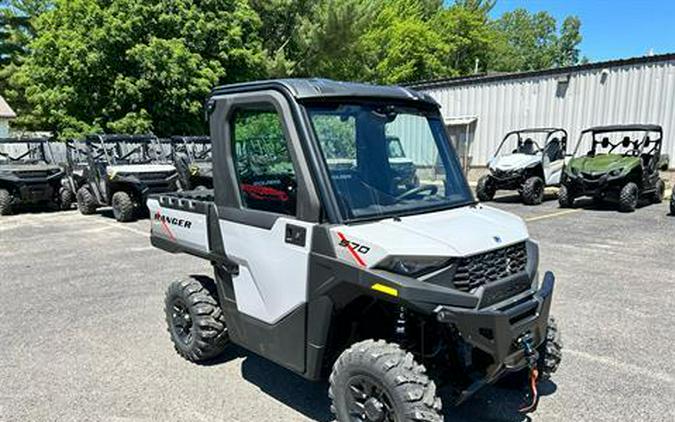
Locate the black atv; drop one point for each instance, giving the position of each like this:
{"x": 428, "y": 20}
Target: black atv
{"x": 29, "y": 174}
{"x": 192, "y": 157}
{"x": 121, "y": 171}
{"x": 622, "y": 166}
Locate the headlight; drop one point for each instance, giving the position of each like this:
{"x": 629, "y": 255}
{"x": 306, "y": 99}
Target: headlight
{"x": 615, "y": 172}
{"x": 413, "y": 266}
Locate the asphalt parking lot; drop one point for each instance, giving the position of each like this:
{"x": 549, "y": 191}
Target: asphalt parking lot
{"x": 84, "y": 338}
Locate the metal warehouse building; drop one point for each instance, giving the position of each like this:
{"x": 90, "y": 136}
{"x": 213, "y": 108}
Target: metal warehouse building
{"x": 479, "y": 110}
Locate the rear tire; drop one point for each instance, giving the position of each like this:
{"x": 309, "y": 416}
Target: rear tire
{"x": 533, "y": 191}
{"x": 5, "y": 202}
{"x": 377, "y": 379}
{"x": 123, "y": 207}
{"x": 195, "y": 320}
{"x": 672, "y": 205}
{"x": 628, "y": 198}
{"x": 66, "y": 198}
{"x": 485, "y": 190}
{"x": 660, "y": 191}
{"x": 565, "y": 198}
{"x": 86, "y": 202}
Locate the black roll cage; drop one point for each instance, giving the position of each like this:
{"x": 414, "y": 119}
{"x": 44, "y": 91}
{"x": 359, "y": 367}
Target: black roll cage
{"x": 549, "y": 131}
{"x": 638, "y": 147}
{"x": 41, "y": 141}
{"x": 108, "y": 146}
{"x": 186, "y": 141}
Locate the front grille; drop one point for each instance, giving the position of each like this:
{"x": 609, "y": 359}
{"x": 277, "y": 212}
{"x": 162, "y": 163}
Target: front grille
{"x": 590, "y": 176}
{"x": 33, "y": 174}
{"x": 154, "y": 176}
{"x": 475, "y": 271}
{"x": 504, "y": 174}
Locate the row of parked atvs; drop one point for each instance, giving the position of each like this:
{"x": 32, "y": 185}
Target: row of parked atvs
{"x": 103, "y": 170}
{"x": 621, "y": 167}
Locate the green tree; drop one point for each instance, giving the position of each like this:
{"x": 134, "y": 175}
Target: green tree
{"x": 16, "y": 32}
{"x": 125, "y": 65}
{"x": 531, "y": 42}
{"x": 568, "y": 43}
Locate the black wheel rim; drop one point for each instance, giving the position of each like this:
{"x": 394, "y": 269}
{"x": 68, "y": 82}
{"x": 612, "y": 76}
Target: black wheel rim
{"x": 181, "y": 321}
{"x": 368, "y": 401}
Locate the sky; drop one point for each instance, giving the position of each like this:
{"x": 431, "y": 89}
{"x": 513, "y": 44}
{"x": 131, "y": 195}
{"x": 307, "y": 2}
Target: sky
{"x": 611, "y": 29}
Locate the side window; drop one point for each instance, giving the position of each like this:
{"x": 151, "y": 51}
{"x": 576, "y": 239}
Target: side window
{"x": 553, "y": 150}
{"x": 263, "y": 163}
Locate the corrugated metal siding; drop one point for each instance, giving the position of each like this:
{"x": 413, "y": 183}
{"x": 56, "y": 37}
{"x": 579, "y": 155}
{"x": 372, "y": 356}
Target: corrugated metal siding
{"x": 640, "y": 93}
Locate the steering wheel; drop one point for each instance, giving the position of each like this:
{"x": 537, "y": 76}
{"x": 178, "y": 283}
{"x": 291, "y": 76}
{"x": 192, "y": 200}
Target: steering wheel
{"x": 432, "y": 189}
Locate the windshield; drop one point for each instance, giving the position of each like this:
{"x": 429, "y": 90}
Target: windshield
{"x": 128, "y": 152}
{"x": 23, "y": 152}
{"x": 626, "y": 143}
{"x": 528, "y": 143}
{"x": 362, "y": 146}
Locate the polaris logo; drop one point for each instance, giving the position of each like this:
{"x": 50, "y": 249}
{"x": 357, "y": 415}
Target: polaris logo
{"x": 174, "y": 221}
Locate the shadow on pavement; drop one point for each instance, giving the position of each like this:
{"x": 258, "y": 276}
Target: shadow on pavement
{"x": 514, "y": 198}
{"x": 493, "y": 403}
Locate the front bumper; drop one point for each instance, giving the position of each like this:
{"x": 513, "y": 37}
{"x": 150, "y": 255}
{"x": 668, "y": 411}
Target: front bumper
{"x": 507, "y": 180}
{"x": 33, "y": 193}
{"x": 591, "y": 186}
{"x": 496, "y": 330}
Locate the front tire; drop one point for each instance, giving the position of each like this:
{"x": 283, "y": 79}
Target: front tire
{"x": 565, "y": 198}
{"x": 376, "y": 380}
{"x": 628, "y": 198}
{"x": 66, "y": 198}
{"x": 86, "y": 202}
{"x": 195, "y": 320}
{"x": 123, "y": 207}
{"x": 533, "y": 191}
{"x": 5, "y": 202}
{"x": 486, "y": 189}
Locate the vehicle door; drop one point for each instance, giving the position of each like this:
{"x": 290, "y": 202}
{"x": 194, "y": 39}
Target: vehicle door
{"x": 553, "y": 160}
{"x": 262, "y": 197}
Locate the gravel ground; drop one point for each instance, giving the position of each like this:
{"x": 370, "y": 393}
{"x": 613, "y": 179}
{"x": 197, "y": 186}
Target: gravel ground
{"x": 84, "y": 338}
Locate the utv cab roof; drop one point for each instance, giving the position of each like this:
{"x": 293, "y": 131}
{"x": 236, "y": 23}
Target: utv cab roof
{"x": 623, "y": 128}
{"x": 539, "y": 130}
{"x": 326, "y": 89}
{"x": 192, "y": 139}
{"x": 114, "y": 138}
{"x": 23, "y": 140}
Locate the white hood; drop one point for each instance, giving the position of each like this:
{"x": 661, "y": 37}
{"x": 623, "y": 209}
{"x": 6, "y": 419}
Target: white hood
{"x": 460, "y": 232}
{"x": 513, "y": 161}
{"x": 141, "y": 168}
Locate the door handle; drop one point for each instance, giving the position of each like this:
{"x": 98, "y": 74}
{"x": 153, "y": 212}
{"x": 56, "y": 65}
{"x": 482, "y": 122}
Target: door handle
{"x": 295, "y": 235}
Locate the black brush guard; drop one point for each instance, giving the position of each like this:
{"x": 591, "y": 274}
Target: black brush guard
{"x": 496, "y": 331}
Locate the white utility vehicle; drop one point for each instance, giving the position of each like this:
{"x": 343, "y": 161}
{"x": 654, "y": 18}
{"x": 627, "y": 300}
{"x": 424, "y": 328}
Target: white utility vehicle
{"x": 528, "y": 161}
{"x": 339, "y": 269}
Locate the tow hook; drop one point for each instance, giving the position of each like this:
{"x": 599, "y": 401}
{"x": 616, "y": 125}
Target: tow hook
{"x": 525, "y": 341}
